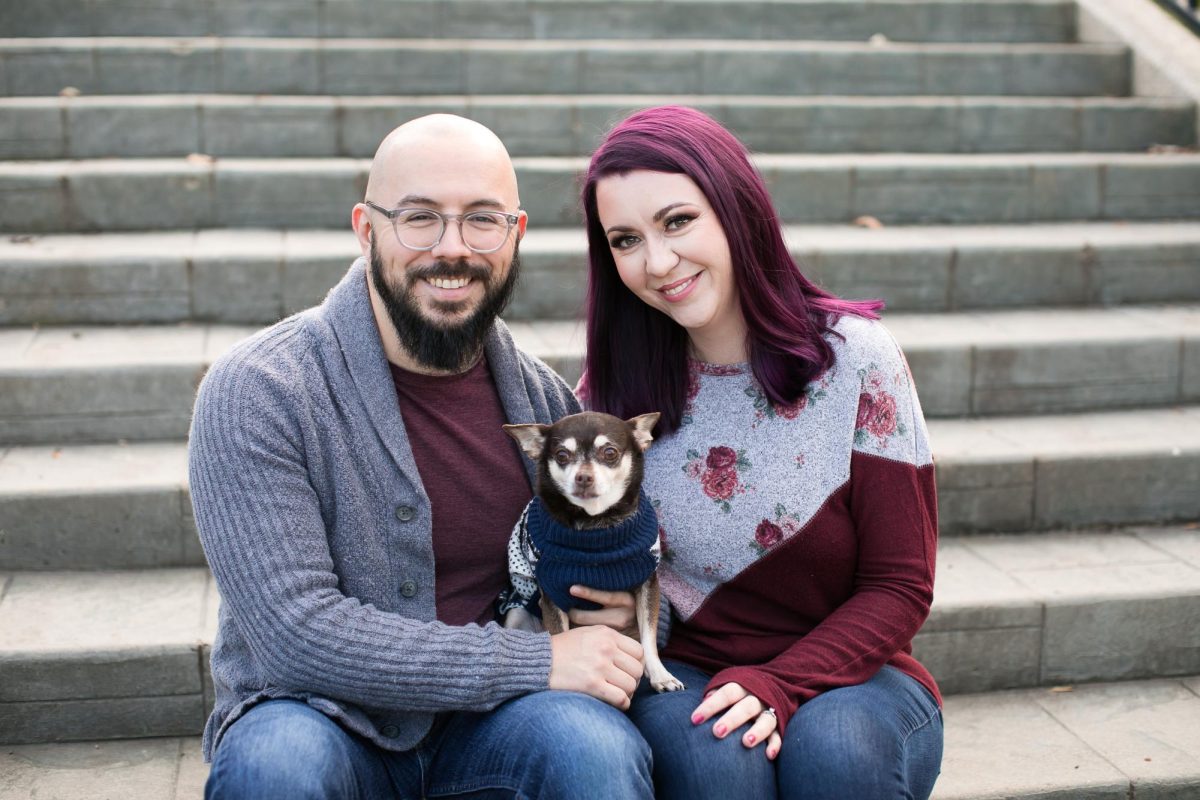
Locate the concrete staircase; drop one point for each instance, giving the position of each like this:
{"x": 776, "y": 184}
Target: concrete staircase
{"x": 176, "y": 174}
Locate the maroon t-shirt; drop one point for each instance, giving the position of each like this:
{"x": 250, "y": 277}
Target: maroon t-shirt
{"x": 475, "y": 479}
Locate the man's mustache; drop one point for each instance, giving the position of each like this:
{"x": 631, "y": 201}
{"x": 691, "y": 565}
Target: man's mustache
{"x": 450, "y": 271}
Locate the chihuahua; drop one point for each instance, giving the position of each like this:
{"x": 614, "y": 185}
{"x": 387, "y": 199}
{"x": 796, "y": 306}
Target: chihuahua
{"x": 588, "y": 524}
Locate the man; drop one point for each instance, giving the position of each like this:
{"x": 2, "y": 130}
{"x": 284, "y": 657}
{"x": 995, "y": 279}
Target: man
{"x": 354, "y": 493}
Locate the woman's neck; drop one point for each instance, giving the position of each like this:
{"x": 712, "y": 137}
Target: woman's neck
{"x": 725, "y": 344}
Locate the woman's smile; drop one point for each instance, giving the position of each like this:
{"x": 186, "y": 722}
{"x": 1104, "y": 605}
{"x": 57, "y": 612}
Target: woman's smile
{"x": 679, "y": 290}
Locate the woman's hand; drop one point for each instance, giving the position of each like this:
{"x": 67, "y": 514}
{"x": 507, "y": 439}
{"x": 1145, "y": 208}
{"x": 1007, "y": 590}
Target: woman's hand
{"x": 616, "y": 610}
{"x": 742, "y": 707}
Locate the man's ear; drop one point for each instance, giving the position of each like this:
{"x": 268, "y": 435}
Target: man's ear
{"x": 362, "y": 228}
{"x": 531, "y": 438}
{"x": 522, "y": 223}
{"x": 641, "y": 429}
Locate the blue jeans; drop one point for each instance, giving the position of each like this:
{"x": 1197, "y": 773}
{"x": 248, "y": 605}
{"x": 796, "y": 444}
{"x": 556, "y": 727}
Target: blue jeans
{"x": 882, "y": 739}
{"x": 544, "y": 745}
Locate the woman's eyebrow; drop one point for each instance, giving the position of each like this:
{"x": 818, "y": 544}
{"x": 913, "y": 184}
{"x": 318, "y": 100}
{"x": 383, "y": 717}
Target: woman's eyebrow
{"x": 658, "y": 215}
{"x": 662, "y": 212}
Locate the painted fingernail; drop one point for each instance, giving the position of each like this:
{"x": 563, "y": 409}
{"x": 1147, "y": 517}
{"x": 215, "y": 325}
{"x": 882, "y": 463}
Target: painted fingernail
{"x": 750, "y": 739}
{"x": 772, "y": 753}
{"x": 710, "y": 694}
{"x": 720, "y": 730}
{"x": 697, "y": 718}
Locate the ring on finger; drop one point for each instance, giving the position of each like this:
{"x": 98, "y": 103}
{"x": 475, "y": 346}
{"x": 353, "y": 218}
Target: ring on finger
{"x": 768, "y": 711}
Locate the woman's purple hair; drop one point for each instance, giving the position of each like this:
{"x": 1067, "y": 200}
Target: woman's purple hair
{"x": 636, "y": 358}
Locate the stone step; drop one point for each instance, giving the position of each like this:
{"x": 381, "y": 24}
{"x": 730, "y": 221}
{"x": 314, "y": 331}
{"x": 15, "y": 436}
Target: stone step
{"x": 124, "y": 653}
{"x": 131, "y": 769}
{"x": 565, "y": 125}
{"x": 259, "y": 276}
{"x": 126, "y": 506}
{"x": 1108, "y": 741}
{"x": 304, "y": 66}
{"x": 906, "y": 20}
{"x": 201, "y": 192}
{"x": 94, "y": 384}
{"x": 1124, "y": 741}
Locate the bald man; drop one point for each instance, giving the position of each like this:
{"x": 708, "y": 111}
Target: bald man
{"x": 354, "y": 493}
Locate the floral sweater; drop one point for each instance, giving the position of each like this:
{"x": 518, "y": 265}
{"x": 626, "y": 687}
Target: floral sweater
{"x": 798, "y": 542}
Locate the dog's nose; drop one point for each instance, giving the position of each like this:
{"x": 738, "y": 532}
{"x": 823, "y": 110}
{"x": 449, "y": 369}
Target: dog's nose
{"x": 583, "y": 479}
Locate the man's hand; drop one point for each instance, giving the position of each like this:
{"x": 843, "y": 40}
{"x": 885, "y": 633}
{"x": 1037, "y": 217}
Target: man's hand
{"x": 617, "y": 611}
{"x": 598, "y": 661}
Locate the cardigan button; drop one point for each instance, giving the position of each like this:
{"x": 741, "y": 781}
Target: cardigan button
{"x": 408, "y": 588}
{"x": 390, "y": 731}
{"x": 405, "y": 513}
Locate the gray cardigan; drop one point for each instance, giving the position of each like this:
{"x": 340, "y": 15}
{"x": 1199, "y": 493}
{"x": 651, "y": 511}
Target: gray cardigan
{"x": 318, "y": 531}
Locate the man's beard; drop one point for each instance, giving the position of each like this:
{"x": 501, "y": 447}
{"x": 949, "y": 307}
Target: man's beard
{"x": 446, "y": 347}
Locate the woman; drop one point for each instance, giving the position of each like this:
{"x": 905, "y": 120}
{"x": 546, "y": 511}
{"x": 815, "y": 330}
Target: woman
{"x": 791, "y": 474}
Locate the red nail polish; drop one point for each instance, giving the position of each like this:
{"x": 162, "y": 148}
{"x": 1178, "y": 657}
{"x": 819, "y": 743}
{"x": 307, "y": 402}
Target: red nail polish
{"x": 697, "y": 718}
{"x": 750, "y": 739}
{"x": 720, "y": 730}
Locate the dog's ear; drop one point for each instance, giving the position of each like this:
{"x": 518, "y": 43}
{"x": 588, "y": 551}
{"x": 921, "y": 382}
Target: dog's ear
{"x": 641, "y": 429}
{"x": 531, "y": 438}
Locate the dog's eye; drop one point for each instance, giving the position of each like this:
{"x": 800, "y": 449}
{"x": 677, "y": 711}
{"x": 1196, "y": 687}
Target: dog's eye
{"x": 610, "y": 454}
{"x": 563, "y": 457}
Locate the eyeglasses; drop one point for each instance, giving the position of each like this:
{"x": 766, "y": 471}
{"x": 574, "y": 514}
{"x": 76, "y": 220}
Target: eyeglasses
{"x": 423, "y": 228}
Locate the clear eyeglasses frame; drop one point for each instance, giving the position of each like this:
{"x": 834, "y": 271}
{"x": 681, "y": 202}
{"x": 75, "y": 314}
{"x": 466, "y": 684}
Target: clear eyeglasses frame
{"x": 423, "y": 228}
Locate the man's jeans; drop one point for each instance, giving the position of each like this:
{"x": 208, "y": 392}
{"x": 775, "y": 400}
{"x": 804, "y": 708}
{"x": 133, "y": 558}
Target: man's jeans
{"x": 544, "y": 745}
{"x": 882, "y": 739}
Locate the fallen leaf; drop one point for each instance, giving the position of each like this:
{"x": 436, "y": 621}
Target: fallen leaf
{"x": 866, "y": 221}
{"x": 1169, "y": 149}
{"x": 1061, "y": 689}
{"x": 56, "y": 453}
{"x": 200, "y": 158}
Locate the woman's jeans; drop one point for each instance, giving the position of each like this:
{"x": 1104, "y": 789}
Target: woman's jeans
{"x": 882, "y": 739}
{"x": 543, "y": 745}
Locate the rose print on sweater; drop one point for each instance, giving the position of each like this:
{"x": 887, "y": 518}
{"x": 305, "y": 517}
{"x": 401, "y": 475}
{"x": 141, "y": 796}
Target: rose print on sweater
{"x": 721, "y": 458}
{"x": 769, "y": 533}
{"x": 876, "y": 410}
{"x": 720, "y": 484}
{"x": 718, "y": 474}
{"x": 764, "y": 409}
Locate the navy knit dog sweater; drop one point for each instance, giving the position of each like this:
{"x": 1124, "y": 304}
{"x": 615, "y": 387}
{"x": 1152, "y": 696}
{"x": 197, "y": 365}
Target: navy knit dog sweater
{"x": 542, "y": 552}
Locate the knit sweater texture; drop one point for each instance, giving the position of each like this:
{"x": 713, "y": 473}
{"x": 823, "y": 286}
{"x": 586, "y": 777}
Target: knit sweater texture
{"x": 799, "y": 541}
{"x": 318, "y": 531}
{"x": 557, "y": 557}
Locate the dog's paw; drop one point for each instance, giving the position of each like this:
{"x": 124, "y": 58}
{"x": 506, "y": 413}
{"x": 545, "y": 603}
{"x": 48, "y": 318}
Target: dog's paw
{"x": 668, "y": 683}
